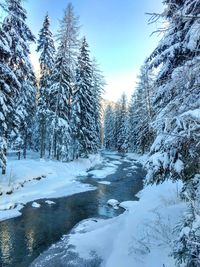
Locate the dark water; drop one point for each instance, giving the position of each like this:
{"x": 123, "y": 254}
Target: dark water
{"x": 23, "y": 238}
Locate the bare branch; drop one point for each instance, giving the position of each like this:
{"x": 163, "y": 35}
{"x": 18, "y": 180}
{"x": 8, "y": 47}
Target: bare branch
{"x": 154, "y": 17}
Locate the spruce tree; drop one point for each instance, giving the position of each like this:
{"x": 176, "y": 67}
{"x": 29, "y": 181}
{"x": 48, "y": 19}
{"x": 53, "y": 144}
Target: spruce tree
{"x": 9, "y": 86}
{"x": 186, "y": 246}
{"x": 109, "y": 127}
{"x": 141, "y": 113}
{"x": 47, "y": 51}
{"x": 98, "y": 83}
{"x": 83, "y": 106}
{"x": 175, "y": 151}
{"x": 59, "y": 126}
{"x": 122, "y": 125}
{"x": 69, "y": 32}
{"x": 20, "y": 36}
{"x": 62, "y": 84}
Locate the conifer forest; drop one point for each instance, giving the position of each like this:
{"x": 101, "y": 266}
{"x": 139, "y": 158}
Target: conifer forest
{"x": 90, "y": 181}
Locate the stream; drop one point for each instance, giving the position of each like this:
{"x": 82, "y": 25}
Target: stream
{"x": 24, "y": 238}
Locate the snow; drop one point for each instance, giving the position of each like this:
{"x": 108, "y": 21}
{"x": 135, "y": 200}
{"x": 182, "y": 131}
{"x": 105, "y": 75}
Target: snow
{"x": 141, "y": 236}
{"x": 179, "y": 166}
{"x": 101, "y": 174}
{"x": 36, "y": 205}
{"x": 127, "y": 205}
{"x": 193, "y": 113}
{"x": 31, "y": 179}
{"x": 116, "y": 162}
{"x": 11, "y": 213}
{"x": 49, "y": 202}
{"x": 137, "y": 158}
{"x": 104, "y": 182}
{"x": 114, "y": 203}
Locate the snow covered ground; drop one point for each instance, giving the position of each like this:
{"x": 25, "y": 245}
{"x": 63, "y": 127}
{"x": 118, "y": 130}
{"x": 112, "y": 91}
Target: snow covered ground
{"x": 31, "y": 179}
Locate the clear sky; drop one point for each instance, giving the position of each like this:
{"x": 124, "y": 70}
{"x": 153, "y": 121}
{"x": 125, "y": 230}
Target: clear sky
{"x": 117, "y": 31}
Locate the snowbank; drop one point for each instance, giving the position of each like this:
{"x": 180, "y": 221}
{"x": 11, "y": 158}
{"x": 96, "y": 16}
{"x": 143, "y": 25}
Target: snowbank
{"x": 140, "y": 237}
{"x": 114, "y": 203}
{"x": 36, "y": 205}
{"x": 31, "y": 179}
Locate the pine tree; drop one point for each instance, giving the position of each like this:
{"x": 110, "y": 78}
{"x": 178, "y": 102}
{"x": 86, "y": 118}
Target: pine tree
{"x": 47, "y": 52}
{"x": 19, "y": 38}
{"x": 141, "y": 114}
{"x": 175, "y": 151}
{"x": 9, "y": 86}
{"x": 109, "y": 128}
{"x": 83, "y": 106}
{"x": 69, "y": 32}
{"x": 98, "y": 83}
{"x": 186, "y": 247}
{"x": 59, "y": 106}
{"x": 62, "y": 83}
{"x": 122, "y": 125}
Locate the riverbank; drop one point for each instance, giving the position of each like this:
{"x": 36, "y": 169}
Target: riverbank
{"x": 32, "y": 178}
{"x": 142, "y": 236}
{"x": 24, "y": 238}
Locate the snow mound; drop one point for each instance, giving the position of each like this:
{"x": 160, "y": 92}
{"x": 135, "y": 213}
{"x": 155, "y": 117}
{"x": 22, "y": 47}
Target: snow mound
{"x": 114, "y": 203}
{"x": 104, "y": 182}
{"x": 36, "y": 205}
{"x": 101, "y": 174}
{"x": 49, "y": 202}
{"x": 127, "y": 205}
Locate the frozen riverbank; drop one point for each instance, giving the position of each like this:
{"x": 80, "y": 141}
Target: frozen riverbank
{"x": 31, "y": 179}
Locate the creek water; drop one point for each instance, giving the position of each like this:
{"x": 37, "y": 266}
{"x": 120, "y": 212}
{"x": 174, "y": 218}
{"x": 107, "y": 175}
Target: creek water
{"x": 24, "y": 238}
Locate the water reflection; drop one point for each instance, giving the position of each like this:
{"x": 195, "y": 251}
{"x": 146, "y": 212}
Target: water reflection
{"x": 5, "y": 242}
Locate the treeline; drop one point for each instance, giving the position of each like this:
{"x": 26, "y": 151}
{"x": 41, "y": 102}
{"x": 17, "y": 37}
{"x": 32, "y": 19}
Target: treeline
{"x": 164, "y": 118}
{"x": 127, "y": 125}
{"x": 58, "y": 114}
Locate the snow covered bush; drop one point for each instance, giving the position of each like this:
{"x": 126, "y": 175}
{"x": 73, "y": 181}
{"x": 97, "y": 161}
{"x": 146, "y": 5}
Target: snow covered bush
{"x": 186, "y": 249}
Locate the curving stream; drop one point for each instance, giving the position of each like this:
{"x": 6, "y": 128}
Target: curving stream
{"x": 24, "y": 238}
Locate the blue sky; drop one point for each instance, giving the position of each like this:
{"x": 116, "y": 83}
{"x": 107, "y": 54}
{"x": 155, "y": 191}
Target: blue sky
{"x": 117, "y": 31}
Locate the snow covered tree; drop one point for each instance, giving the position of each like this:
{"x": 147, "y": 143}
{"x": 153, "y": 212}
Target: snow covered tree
{"x": 47, "y": 51}
{"x": 186, "y": 248}
{"x": 98, "y": 83}
{"x": 62, "y": 84}
{"x": 19, "y": 38}
{"x": 69, "y": 32}
{"x": 141, "y": 113}
{"x": 9, "y": 86}
{"x": 175, "y": 151}
{"x": 109, "y": 128}
{"x": 26, "y": 108}
{"x": 59, "y": 106}
{"x": 122, "y": 125}
{"x": 83, "y": 116}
